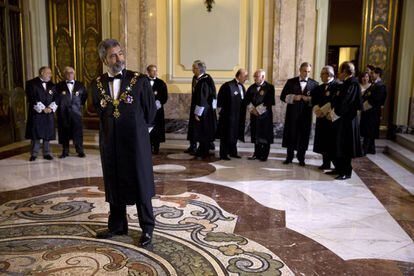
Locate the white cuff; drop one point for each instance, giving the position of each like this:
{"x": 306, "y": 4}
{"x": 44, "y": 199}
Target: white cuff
{"x": 158, "y": 104}
{"x": 334, "y": 116}
{"x": 150, "y": 129}
{"x": 39, "y": 107}
{"x": 289, "y": 98}
{"x": 199, "y": 110}
{"x": 53, "y": 106}
{"x": 214, "y": 103}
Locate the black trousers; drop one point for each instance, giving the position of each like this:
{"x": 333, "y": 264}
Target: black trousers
{"x": 227, "y": 148}
{"x": 118, "y": 222}
{"x": 300, "y": 154}
{"x": 78, "y": 147}
{"x": 203, "y": 149}
{"x": 343, "y": 165}
{"x": 368, "y": 145}
{"x": 326, "y": 159}
{"x": 261, "y": 150}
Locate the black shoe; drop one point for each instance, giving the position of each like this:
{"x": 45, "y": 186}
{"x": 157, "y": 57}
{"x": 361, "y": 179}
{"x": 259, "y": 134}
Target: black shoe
{"x": 109, "y": 234}
{"x": 63, "y": 155}
{"x": 190, "y": 150}
{"x": 145, "y": 239}
{"x": 302, "y": 163}
{"x": 32, "y": 158}
{"x": 48, "y": 157}
{"x": 263, "y": 159}
{"x": 254, "y": 157}
{"x": 287, "y": 161}
{"x": 224, "y": 158}
{"x": 342, "y": 177}
{"x": 81, "y": 155}
{"x": 324, "y": 167}
{"x": 235, "y": 156}
{"x": 333, "y": 172}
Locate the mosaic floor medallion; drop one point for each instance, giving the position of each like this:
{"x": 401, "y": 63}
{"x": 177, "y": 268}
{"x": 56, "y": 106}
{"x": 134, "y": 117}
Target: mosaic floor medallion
{"x": 54, "y": 234}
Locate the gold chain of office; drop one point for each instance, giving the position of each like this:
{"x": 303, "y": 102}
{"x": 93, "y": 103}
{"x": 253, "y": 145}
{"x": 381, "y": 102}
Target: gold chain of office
{"x": 125, "y": 96}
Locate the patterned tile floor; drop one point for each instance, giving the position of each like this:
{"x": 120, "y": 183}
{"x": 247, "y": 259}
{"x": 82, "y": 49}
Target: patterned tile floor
{"x": 213, "y": 217}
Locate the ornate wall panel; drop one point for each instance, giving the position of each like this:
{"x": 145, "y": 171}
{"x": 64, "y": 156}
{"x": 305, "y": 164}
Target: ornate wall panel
{"x": 11, "y": 72}
{"x": 378, "y": 42}
{"x": 75, "y": 32}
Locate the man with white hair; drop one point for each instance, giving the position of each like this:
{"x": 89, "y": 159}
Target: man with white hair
{"x": 298, "y": 120}
{"x": 126, "y": 107}
{"x": 260, "y": 97}
{"x": 322, "y": 97}
{"x": 71, "y": 96}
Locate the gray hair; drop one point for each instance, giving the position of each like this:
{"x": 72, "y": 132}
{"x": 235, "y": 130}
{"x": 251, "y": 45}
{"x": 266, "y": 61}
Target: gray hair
{"x": 305, "y": 64}
{"x": 262, "y": 72}
{"x": 201, "y": 65}
{"x": 149, "y": 67}
{"x": 67, "y": 68}
{"x": 106, "y": 44}
{"x": 43, "y": 68}
{"x": 329, "y": 69}
{"x": 347, "y": 67}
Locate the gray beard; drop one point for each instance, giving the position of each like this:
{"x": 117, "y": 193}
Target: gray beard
{"x": 117, "y": 67}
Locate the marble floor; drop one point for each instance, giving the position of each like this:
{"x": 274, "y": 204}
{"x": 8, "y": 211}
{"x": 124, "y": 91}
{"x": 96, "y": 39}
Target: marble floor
{"x": 213, "y": 217}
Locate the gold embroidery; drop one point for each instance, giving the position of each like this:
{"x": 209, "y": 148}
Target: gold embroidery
{"x": 125, "y": 96}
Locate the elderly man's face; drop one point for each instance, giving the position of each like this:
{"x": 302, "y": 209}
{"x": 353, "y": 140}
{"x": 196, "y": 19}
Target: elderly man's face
{"x": 324, "y": 76}
{"x": 242, "y": 76}
{"x": 70, "y": 74}
{"x": 46, "y": 74}
{"x": 258, "y": 77}
{"x": 115, "y": 59}
{"x": 305, "y": 72}
{"x": 196, "y": 70}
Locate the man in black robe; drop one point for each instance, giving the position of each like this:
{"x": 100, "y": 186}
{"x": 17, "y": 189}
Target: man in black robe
{"x": 373, "y": 101}
{"x": 298, "y": 119}
{"x": 159, "y": 88}
{"x": 190, "y": 131}
{"x": 231, "y": 102}
{"x": 345, "y": 105}
{"x": 322, "y": 101}
{"x": 126, "y": 107}
{"x": 260, "y": 97}
{"x": 70, "y": 97}
{"x": 204, "y": 109}
{"x": 41, "y": 106}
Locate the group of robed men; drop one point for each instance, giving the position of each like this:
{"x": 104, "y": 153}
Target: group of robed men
{"x": 336, "y": 105}
{"x": 44, "y": 99}
{"x": 67, "y": 99}
{"x": 127, "y": 106}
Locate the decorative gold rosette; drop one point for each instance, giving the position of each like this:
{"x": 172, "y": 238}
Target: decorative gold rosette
{"x": 125, "y": 96}
{"x": 63, "y": 92}
{"x": 77, "y": 93}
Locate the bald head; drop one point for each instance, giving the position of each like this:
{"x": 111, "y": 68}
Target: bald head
{"x": 259, "y": 76}
{"x": 241, "y": 75}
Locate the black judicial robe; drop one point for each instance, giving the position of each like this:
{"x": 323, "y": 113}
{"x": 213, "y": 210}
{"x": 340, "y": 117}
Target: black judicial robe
{"x": 324, "y": 139}
{"x": 298, "y": 118}
{"x": 204, "y": 94}
{"x": 40, "y": 125}
{"x": 371, "y": 118}
{"x": 161, "y": 94}
{"x": 261, "y": 127}
{"x": 191, "y": 118}
{"x": 233, "y": 112}
{"x": 69, "y": 112}
{"x": 346, "y": 103}
{"x": 124, "y": 141}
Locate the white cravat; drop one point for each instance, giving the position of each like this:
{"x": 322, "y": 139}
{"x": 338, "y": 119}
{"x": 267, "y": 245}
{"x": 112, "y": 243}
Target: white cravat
{"x": 152, "y": 81}
{"x": 303, "y": 84}
{"x": 115, "y": 86}
{"x": 70, "y": 87}
{"x": 43, "y": 83}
